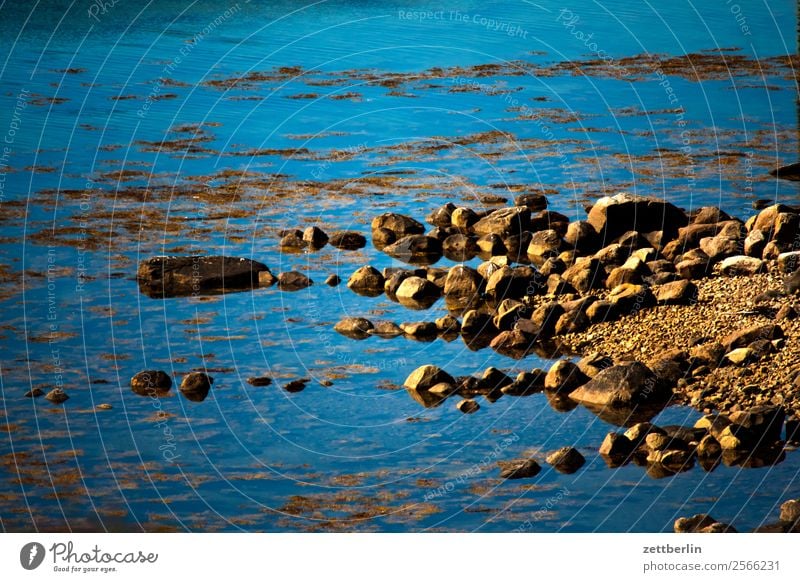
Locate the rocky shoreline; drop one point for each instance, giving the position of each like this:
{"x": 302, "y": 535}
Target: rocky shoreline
{"x": 651, "y": 305}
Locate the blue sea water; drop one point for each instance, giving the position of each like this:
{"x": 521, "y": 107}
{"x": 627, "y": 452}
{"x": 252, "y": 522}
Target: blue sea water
{"x": 333, "y": 93}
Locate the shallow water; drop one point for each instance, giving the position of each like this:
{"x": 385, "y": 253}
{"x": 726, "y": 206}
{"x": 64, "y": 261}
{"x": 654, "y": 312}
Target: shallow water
{"x": 351, "y": 109}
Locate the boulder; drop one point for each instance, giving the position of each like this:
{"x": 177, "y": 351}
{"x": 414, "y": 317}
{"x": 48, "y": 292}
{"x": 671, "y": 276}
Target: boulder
{"x": 416, "y": 249}
{"x": 519, "y": 469}
{"x": 720, "y": 247}
{"x": 293, "y": 281}
{"x": 354, "y": 327}
{"x": 57, "y": 396}
{"x": 629, "y": 299}
{"x": 504, "y": 222}
{"x": 544, "y": 244}
{"x": 441, "y": 216}
{"x": 463, "y": 281}
{"x": 459, "y": 247}
{"x": 585, "y": 274}
{"x": 533, "y": 202}
{"x": 682, "y": 292}
{"x": 790, "y": 510}
{"x": 566, "y": 460}
{"x": 448, "y": 324}
{"x": 171, "y": 276}
{"x": 564, "y": 377}
{"x": 366, "y": 281}
{"x": 382, "y": 238}
{"x": 513, "y": 343}
{"x": 789, "y": 262}
{"x": 195, "y": 385}
{"x": 385, "y": 329}
{"x": 292, "y": 241}
{"x": 315, "y": 237}
{"x": 791, "y": 284}
{"x": 573, "y": 321}
{"x": 399, "y": 224}
{"x": 517, "y": 246}
{"x": 427, "y": 376}
{"x": 468, "y": 406}
{"x": 764, "y": 422}
{"x": 417, "y": 292}
{"x": 546, "y": 316}
{"x": 709, "y": 215}
{"x": 347, "y": 240}
{"x": 582, "y": 237}
{"x": 506, "y": 282}
{"x": 491, "y": 245}
{"x": 616, "y": 215}
{"x": 785, "y": 229}
{"x": 420, "y": 330}
{"x": 616, "y": 445}
{"x": 744, "y": 337}
{"x": 755, "y": 242}
{"x": 151, "y": 383}
{"x": 741, "y": 265}
{"x": 463, "y": 218}
{"x": 624, "y": 385}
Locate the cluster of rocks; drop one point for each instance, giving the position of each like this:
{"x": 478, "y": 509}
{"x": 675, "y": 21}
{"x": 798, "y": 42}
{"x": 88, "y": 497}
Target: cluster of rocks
{"x": 565, "y": 460}
{"x": 749, "y": 438}
{"x": 314, "y": 238}
{"x": 195, "y": 386}
{"x": 631, "y": 254}
{"x": 607, "y": 389}
{"x": 788, "y": 522}
{"x": 172, "y": 276}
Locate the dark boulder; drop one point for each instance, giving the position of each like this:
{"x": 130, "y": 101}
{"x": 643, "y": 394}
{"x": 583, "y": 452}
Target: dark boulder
{"x": 170, "y": 276}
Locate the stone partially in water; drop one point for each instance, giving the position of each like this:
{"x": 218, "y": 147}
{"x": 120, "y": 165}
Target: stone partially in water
{"x": 623, "y": 385}
{"x": 196, "y": 385}
{"x": 426, "y": 376}
{"x": 519, "y": 469}
{"x": 399, "y": 224}
{"x": 293, "y": 281}
{"x": 615, "y": 215}
{"x": 416, "y": 249}
{"x": 468, "y": 406}
{"x": 151, "y": 383}
{"x": 417, "y": 292}
{"x": 566, "y": 460}
{"x": 57, "y": 396}
{"x": 354, "y": 327}
{"x": 173, "y": 276}
{"x": 564, "y": 377}
{"x": 366, "y": 281}
{"x": 347, "y": 240}
{"x": 259, "y": 380}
